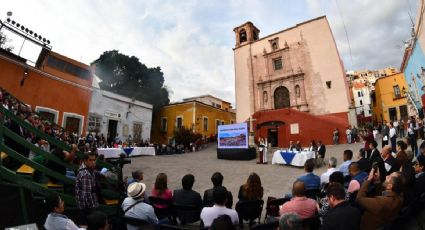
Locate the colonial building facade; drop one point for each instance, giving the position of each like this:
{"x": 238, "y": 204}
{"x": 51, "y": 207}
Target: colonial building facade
{"x": 202, "y": 114}
{"x": 298, "y": 68}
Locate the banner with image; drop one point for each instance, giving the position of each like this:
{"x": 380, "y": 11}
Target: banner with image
{"x": 234, "y": 136}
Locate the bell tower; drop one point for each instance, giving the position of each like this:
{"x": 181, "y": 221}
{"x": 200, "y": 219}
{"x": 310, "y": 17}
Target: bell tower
{"x": 246, "y": 33}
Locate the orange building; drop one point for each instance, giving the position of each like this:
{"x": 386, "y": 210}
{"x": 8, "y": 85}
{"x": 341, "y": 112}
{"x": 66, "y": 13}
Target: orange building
{"x": 59, "y": 88}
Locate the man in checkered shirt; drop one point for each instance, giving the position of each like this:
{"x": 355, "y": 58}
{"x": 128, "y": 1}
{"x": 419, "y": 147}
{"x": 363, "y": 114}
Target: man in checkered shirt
{"x": 85, "y": 186}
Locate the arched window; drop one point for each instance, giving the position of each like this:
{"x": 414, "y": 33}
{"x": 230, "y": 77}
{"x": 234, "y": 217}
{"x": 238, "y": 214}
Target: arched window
{"x": 297, "y": 91}
{"x": 281, "y": 98}
{"x": 242, "y": 36}
{"x": 274, "y": 45}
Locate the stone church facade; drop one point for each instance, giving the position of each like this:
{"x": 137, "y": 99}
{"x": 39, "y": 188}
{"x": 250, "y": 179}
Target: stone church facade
{"x": 298, "y": 68}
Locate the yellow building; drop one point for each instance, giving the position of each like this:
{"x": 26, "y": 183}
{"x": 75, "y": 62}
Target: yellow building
{"x": 201, "y": 114}
{"x": 389, "y": 99}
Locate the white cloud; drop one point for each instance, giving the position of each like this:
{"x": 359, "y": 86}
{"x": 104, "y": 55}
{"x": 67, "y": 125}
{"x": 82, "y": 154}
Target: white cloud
{"x": 192, "y": 40}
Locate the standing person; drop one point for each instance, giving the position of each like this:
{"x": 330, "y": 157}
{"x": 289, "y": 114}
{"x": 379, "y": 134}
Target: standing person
{"x": 261, "y": 146}
{"x": 393, "y": 137}
{"x": 396, "y": 126}
{"x": 354, "y": 134}
{"x": 420, "y": 125}
{"x": 85, "y": 186}
{"x": 265, "y": 151}
{"x": 335, "y": 136}
{"x": 401, "y": 129}
{"x": 348, "y": 133}
{"x": 385, "y": 134}
{"x": 368, "y": 138}
{"x": 412, "y": 136}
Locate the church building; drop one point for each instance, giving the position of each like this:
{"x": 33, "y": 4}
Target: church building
{"x": 291, "y": 82}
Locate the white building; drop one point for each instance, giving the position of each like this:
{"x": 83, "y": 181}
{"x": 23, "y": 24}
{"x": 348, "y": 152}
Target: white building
{"x": 362, "y": 100}
{"x": 112, "y": 114}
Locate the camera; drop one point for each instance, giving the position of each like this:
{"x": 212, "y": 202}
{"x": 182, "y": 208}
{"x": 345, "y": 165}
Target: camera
{"x": 123, "y": 160}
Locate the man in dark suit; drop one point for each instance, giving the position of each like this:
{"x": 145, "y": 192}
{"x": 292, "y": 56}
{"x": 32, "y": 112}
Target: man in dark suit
{"x": 419, "y": 186}
{"x": 374, "y": 152}
{"x": 341, "y": 215}
{"x": 321, "y": 151}
{"x": 187, "y": 196}
{"x": 385, "y": 134}
{"x": 217, "y": 180}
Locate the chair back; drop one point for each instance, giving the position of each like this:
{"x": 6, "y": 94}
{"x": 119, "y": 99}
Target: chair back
{"x": 187, "y": 214}
{"x": 167, "y": 211}
{"x": 312, "y": 193}
{"x": 312, "y": 223}
{"x": 272, "y": 208}
{"x": 268, "y": 226}
{"x": 249, "y": 210}
{"x": 139, "y": 223}
{"x": 171, "y": 227}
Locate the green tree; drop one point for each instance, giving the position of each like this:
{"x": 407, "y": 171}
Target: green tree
{"x": 185, "y": 136}
{"x": 127, "y": 76}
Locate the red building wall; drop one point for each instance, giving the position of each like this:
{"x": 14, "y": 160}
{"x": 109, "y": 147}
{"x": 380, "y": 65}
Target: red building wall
{"x": 41, "y": 88}
{"x": 310, "y": 127}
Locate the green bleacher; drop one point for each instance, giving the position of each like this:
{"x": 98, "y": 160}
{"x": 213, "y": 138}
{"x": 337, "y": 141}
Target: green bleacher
{"x": 22, "y": 175}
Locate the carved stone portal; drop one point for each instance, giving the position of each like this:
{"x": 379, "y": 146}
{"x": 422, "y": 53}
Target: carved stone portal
{"x": 281, "y": 98}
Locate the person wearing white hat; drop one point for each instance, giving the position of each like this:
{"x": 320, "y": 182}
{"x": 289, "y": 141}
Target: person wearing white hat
{"x": 133, "y": 205}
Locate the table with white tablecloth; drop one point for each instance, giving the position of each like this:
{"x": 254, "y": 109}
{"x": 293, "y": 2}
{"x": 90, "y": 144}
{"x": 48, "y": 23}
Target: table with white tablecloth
{"x": 129, "y": 152}
{"x": 292, "y": 157}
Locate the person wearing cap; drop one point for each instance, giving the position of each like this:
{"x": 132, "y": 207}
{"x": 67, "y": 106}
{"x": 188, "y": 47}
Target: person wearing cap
{"x": 133, "y": 205}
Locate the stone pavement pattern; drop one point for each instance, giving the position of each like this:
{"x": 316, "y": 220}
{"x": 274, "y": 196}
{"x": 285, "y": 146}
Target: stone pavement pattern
{"x": 276, "y": 179}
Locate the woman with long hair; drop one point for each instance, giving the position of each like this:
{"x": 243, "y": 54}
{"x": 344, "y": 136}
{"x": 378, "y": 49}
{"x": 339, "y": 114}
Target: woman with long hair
{"x": 252, "y": 189}
{"x": 161, "y": 190}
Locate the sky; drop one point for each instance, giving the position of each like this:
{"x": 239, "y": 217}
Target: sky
{"x": 192, "y": 40}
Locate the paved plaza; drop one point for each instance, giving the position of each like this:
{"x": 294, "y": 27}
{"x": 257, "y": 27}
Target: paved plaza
{"x": 276, "y": 179}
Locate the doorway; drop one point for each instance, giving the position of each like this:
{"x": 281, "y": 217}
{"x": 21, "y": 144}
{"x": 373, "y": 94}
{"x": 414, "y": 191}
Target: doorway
{"x": 393, "y": 114}
{"x": 72, "y": 125}
{"x": 273, "y": 137}
{"x": 112, "y": 130}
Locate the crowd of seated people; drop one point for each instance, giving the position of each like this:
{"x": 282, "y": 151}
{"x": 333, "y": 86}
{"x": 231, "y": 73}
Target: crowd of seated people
{"x": 358, "y": 200}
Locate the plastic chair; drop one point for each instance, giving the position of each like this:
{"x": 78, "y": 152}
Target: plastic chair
{"x": 312, "y": 193}
{"x": 249, "y": 210}
{"x": 141, "y": 224}
{"x": 272, "y": 208}
{"x": 267, "y": 226}
{"x": 312, "y": 223}
{"x": 187, "y": 214}
{"x": 171, "y": 227}
{"x": 167, "y": 212}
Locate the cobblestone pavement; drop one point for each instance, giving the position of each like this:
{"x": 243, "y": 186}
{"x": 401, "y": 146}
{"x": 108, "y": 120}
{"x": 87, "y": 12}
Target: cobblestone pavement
{"x": 276, "y": 179}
